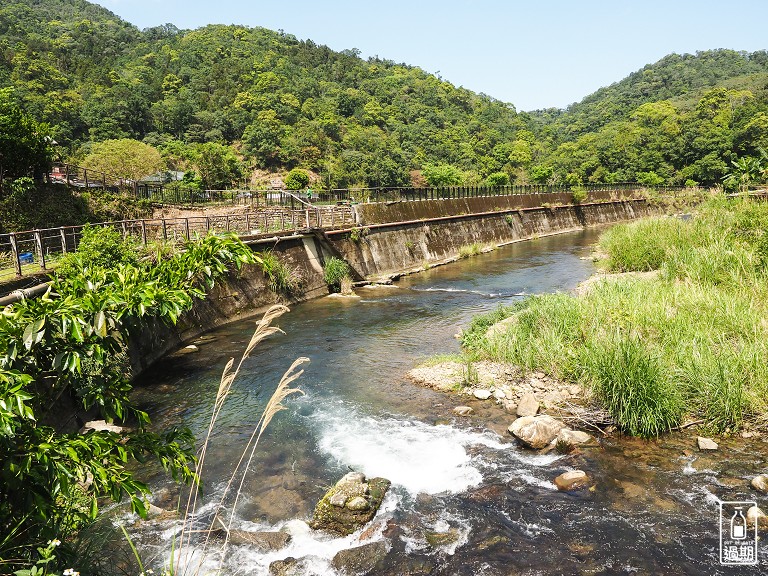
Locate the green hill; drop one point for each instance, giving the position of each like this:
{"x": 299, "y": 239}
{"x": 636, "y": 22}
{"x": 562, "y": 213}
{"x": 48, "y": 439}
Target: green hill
{"x": 273, "y": 102}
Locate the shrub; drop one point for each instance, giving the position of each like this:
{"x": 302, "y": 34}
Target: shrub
{"x": 334, "y": 271}
{"x": 579, "y": 194}
{"x": 99, "y": 247}
{"x": 297, "y": 179}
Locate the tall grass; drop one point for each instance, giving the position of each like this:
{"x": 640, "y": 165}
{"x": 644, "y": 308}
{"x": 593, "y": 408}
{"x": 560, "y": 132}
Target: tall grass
{"x": 280, "y": 278}
{"x": 692, "y": 340}
{"x": 193, "y": 545}
{"x": 334, "y": 271}
{"x": 468, "y": 250}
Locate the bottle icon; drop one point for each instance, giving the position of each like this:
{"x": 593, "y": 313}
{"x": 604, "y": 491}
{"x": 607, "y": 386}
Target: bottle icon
{"x": 738, "y": 525}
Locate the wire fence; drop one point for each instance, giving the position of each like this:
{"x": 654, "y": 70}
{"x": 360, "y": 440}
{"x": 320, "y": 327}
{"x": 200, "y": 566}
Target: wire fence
{"x": 33, "y": 251}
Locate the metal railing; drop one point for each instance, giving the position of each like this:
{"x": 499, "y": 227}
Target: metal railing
{"x": 177, "y": 194}
{"x": 180, "y": 193}
{"x": 33, "y": 251}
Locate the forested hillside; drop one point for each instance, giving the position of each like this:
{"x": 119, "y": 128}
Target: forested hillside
{"x": 241, "y": 99}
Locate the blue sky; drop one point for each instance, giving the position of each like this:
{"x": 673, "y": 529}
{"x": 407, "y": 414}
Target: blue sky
{"x": 533, "y": 54}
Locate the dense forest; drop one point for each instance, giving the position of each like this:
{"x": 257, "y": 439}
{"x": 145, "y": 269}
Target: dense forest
{"x": 251, "y": 101}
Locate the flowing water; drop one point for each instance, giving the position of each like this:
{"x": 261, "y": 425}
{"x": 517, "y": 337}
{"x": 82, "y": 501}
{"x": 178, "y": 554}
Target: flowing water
{"x": 465, "y": 499}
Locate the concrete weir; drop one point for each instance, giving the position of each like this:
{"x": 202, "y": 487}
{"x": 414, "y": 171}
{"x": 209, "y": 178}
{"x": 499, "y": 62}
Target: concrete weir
{"x": 390, "y": 239}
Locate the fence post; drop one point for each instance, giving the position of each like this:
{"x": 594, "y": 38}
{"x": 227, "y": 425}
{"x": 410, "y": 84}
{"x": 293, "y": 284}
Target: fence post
{"x": 125, "y": 229}
{"x": 15, "y": 253}
{"x": 39, "y": 248}
{"x": 66, "y": 173}
{"x": 144, "y": 231}
{"x": 85, "y": 177}
{"x": 165, "y": 232}
{"x": 306, "y": 216}
{"x": 248, "y": 222}
{"x": 63, "y": 241}
{"x": 227, "y": 221}
{"x": 207, "y": 225}
{"x": 186, "y": 228}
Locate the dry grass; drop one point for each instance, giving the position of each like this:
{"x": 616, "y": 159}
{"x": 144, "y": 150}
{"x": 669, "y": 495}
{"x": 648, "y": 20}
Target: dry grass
{"x": 275, "y": 404}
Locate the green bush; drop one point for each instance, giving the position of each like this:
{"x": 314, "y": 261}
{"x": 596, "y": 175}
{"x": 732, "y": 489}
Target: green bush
{"x": 297, "y": 179}
{"x": 334, "y": 271}
{"x": 99, "y": 247}
{"x": 579, "y": 194}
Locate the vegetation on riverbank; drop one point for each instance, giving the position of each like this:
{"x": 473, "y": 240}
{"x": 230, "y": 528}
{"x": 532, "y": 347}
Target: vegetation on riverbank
{"x": 688, "y": 341}
{"x": 64, "y": 360}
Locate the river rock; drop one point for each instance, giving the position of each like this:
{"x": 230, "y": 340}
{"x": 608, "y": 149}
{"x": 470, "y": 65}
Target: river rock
{"x": 499, "y": 394}
{"x": 706, "y": 443}
{"x": 102, "y": 426}
{"x": 191, "y": 349}
{"x": 536, "y": 431}
{"x": 572, "y": 480}
{"x": 261, "y": 541}
{"x": 288, "y": 567}
{"x": 756, "y": 516}
{"x": 463, "y": 411}
{"x": 446, "y": 538}
{"x": 333, "y": 512}
{"x": 481, "y": 394}
{"x": 574, "y": 437}
{"x": 760, "y": 483}
{"x": 528, "y": 405}
{"x": 360, "y": 559}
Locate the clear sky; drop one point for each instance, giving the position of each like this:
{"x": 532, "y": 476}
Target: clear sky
{"x": 533, "y": 54}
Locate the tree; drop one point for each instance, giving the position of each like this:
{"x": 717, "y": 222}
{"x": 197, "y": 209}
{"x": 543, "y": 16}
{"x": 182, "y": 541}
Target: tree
{"x": 297, "y": 179}
{"x": 497, "y": 179}
{"x": 217, "y": 166}
{"x": 124, "y": 158}
{"x": 25, "y": 149}
{"x": 442, "y": 174}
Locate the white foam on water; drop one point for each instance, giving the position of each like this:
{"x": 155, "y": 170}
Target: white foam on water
{"x": 533, "y": 481}
{"x": 315, "y": 549}
{"x": 415, "y": 538}
{"x": 465, "y": 291}
{"x": 419, "y": 457}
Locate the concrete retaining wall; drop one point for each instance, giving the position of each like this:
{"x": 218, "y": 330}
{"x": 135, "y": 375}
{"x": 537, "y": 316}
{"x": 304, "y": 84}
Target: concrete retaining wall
{"x": 394, "y": 248}
{"x": 412, "y": 240}
{"x": 242, "y": 294}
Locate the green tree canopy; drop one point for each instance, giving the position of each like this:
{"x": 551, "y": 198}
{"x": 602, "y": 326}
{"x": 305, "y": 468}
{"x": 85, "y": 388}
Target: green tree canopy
{"x": 24, "y": 147}
{"x": 124, "y": 158}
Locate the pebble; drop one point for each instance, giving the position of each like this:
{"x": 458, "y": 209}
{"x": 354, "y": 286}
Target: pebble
{"x": 706, "y": 443}
{"x": 760, "y": 483}
{"x": 482, "y": 394}
{"x": 463, "y": 410}
{"x": 572, "y": 480}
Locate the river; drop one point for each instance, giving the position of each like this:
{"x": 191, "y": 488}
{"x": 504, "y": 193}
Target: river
{"x": 653, "y": 509}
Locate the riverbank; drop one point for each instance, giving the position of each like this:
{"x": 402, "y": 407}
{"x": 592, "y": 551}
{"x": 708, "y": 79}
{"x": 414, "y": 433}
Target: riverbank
{"x": 686, "y": 343}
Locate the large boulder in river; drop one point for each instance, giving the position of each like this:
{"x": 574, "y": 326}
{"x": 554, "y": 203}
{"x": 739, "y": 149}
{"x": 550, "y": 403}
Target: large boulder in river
{"x": 536, "y": 431}
{"x": 361, "y": 559}
{"x": 350, "y": 504}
